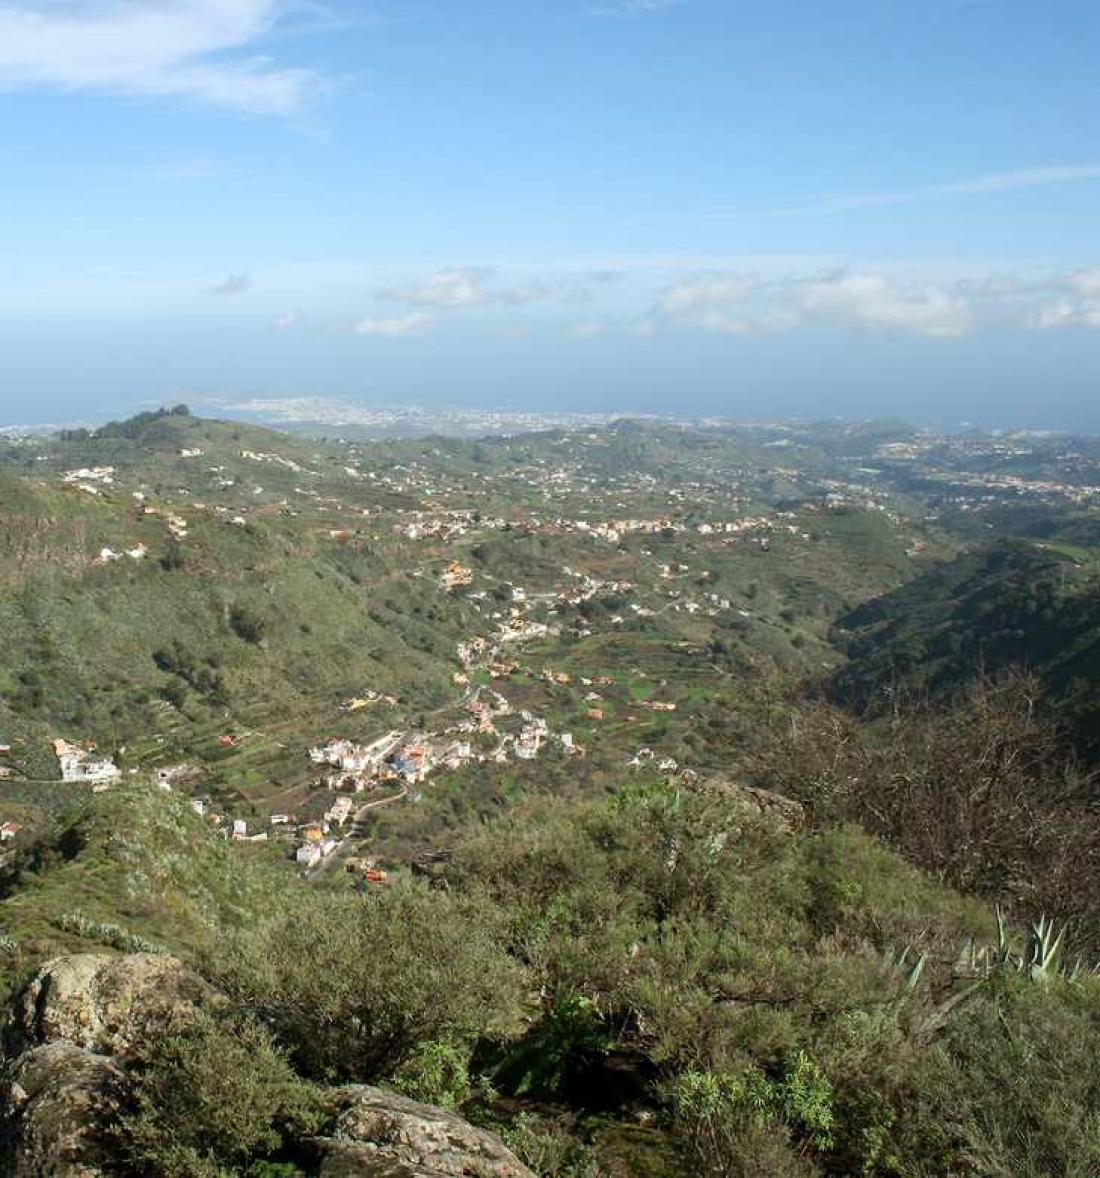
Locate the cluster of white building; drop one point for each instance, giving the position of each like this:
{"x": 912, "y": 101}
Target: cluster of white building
{"x": 90, "y": 479}
{"x": 79, "y": 765}
{"x": 109, "y": 555}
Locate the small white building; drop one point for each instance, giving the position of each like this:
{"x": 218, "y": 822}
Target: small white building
{"x": 308, "y": 855}
{"x": 340, "y": 811}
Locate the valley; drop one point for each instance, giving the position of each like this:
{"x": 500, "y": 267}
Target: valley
{"x": 554, "y": 709}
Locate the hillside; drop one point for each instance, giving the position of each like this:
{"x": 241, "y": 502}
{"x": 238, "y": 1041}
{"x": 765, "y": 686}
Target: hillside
{"x": 184, "y": 591}
{"x": 132, "y": 869}
{"x": 658, "y": 984}
{"x": 1015, "y": 604}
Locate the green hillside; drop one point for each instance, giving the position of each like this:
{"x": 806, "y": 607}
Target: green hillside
{"x": 1014, "y": 604}
{"x": 169, "y": 581}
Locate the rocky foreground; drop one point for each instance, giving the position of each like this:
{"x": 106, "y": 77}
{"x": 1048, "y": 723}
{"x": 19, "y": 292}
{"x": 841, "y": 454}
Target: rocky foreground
{"x": 67, "y": 1043}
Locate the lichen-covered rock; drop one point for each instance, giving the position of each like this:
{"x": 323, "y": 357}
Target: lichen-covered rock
{"x": 383, "y": 1135}
{"x": 56, "y": 1097}
{"x": 69, "y": 1036}
{"x": 67, "y": 1039}
{"x": 776, "y": 810}
{"x": 104, "y": 1003}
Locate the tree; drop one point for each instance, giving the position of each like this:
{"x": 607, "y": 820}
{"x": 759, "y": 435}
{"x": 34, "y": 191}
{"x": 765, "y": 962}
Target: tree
{"x": 980, "y": 794}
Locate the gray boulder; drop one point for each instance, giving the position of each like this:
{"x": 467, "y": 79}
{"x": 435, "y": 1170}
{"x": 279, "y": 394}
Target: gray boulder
{"x": 68, "y": 1035}
{"x": 380, "y": 1134}
{"x": 104, "y": 1003}
{"x": 56, "y": 1095}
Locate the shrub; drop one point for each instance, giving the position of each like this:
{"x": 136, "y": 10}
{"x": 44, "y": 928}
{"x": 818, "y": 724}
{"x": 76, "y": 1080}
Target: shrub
{"x": 247, "y": 624}
{"x": 548, "y": 1148}
{"x": 215, "y": 1095}
{"x": 353, "y": 984}
{"x": 732, "y": 1125}
{"x": 437, "y": 1073}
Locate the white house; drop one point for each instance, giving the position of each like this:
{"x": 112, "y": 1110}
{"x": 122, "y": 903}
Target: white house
{"x": 308, "y": 855}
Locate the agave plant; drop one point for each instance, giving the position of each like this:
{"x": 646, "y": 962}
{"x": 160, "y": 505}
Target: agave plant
{"x": 1043, "y": 948}
{"x": 1078, "y": 970}
{"x": 1001, "y": 956}
{"x": 1039, "y": 962}
{"x": 910, "y": 970}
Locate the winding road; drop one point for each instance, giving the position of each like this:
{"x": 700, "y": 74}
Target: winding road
{"x": 355, "y": 832}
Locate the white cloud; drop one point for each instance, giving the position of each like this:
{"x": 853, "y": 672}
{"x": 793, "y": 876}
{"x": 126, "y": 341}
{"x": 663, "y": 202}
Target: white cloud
{"x": 234, "y": 284}
{"x": 287, "y": 320}
{"x": 191, "y": 48}
{"x": 744, "y": 304}
{"x": 871, "y": 302}
{"x": 1078, "y": 304}
{"x": 720, "y": 302}
{"x": 419, "y": 321}
{"x": 589, "y": 329}
{"x": 1068, "y": 313}
{"x": 724, "y": 324}
{"x": 1085, "y": 282}
{"x": 463, "y": 287}
{"x": 705, "y": 293}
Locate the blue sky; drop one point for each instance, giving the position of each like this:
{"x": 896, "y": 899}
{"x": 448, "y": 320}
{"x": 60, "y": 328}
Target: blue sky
{"x": 855, "y": 207}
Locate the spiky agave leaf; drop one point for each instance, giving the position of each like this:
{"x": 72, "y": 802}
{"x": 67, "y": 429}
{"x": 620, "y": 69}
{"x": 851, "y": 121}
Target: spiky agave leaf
{"x": 1043, "y": 948}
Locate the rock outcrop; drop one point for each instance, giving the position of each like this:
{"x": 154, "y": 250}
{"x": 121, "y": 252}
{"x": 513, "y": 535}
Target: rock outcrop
{"x": 104, "y": 1004}
{"x": 66, "y": 1047}
{"x": 383, "y": 1135}
{"x": 776, "y": 810}
{"x": 57, "y": 1096}
{"x": 66, "y": 1044}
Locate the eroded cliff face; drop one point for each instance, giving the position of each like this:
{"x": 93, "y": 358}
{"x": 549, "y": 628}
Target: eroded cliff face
{"x": 67, "y": 1042}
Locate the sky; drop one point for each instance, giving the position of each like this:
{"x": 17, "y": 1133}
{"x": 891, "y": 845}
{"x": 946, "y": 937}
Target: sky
{"x": 705, "y": 207}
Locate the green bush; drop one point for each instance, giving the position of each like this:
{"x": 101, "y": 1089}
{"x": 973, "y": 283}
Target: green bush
{"x": 1010, "y": 1088}
{"x": 436, "y": 1073}
{"x": 353, "y": 984}
{"x": 214, "y": 1096}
